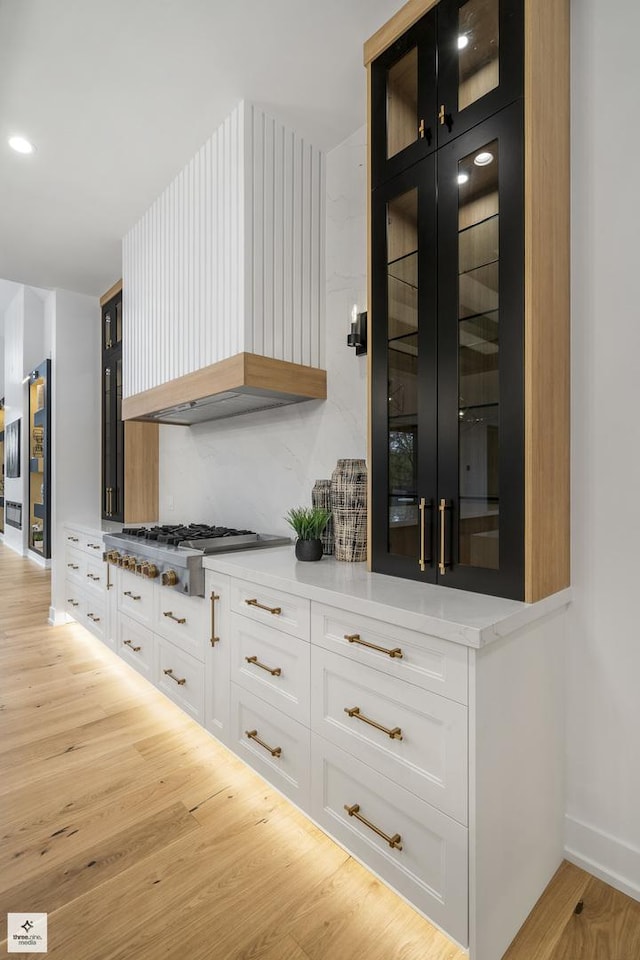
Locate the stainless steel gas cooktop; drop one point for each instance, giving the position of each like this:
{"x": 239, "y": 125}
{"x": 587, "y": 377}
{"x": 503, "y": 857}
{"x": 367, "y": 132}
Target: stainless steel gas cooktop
{"x": 173, "y": 552}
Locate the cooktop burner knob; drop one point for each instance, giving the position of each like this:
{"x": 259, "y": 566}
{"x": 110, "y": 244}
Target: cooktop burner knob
{"x": 113, "y": 556}
{"x": 169, "y": 578}
{"x": 151, "y": 571}
{"x": 131, "y": 563}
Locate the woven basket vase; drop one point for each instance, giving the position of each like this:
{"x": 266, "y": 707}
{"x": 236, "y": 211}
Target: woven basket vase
{"x": 349, "y": 506}
{"x": 321, "y": 497}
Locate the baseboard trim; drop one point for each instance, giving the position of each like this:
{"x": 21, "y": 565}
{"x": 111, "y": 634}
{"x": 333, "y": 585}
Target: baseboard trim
{"x": 606, "y": 857}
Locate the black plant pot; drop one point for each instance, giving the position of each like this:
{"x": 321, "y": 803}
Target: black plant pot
{"x": 308, "y": 549}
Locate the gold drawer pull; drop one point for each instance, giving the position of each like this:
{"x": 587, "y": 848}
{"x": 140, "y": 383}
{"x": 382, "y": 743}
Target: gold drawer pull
{"x": 92, "y": 576}
{"x": 169, "y": 613}
{"x": 394, "y": 734}
{"x": 213, "y": 639}
{"x": 128, "y": 643}
{"x": 274, "y": 751}
{"x": 275, "y": 672}
{"x": 169, "y": 673}
{"x": 93, "y": 617}
{"x": 73, "y": 566}
{"x": 355, "y": 638}
{"x": 74, "y": 603}
{"x": 128, "y": 593}
{"x": 254, "y": 603}
{"x": 73, "y": 539}
{"x": 90, "y": 545}
{"x": 394, "y": 841}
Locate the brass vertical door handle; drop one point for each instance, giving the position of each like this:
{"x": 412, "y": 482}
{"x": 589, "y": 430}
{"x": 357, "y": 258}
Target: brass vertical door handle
{"x": 423, "y": 505}
{"x": 441, "y": 115}
{"x": 442, "y": 510}
{"x": 421, "y": 130}
{"x": 213, "y": 639}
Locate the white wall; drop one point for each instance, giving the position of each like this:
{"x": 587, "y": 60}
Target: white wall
{"x": 73, "y": 321}
{"x": 24, "y": 350}
{"x": 249, "y": 470}
{"x": 603, "y": 789}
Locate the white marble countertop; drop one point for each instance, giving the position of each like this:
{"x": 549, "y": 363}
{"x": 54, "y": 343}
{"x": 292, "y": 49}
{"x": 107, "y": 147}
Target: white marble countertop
{"x": 468, "y": 618}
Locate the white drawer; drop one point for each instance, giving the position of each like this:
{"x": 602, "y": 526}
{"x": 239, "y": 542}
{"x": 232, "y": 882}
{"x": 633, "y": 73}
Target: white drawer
{"x": 181, "y": 678}
{"x": 181, "y": 619}
{"x": 217, "y": 659}
{"x": 74, "y": 602}
{"x": 288, "y": 769}
{"x": 427, "y": 753}
{"x": 135, "y": 597}
{"x": 75, "y": 565}
{"x": 427, "y": 662}
{"x": 93, "y": 545}
{"x": 95, "y": 612}
{"x": 136, "y": 646}
{"x": 431, "y": 868}
{"x": 273, "y": 665}
{"x": 275, "y": 608}
{"x": 95, "y": 574}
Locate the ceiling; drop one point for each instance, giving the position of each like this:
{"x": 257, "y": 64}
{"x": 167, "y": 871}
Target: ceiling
{"x": 117, "y": 96}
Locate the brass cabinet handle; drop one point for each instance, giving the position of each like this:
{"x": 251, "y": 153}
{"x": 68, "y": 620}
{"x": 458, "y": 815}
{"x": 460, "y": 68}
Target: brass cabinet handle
{"x": 73, "y": 566}
{"x": 95, "y": 546}
{"x": 92, "y": 576}
{"x": 423, "y": 504}
{"x": 108, "y": 577}
{"x": 74, "y": 603}
{"x": 90, "y": 545}
{"x": 442, "y": 115}
{"x": 275, "y": 672}
{"x": 169, "y": 613}
{"x": 213, "y": 639}
{"x": 254, "y": 603}
{"x": 169, "y": 673}
{"x": 395, "y": 733}
{"x": 421, "y": 130}
{"x": 394, "y": 841}
{"x": 355, "y": 638}
{"x": 128, "y": 593}
{"x": 93, "y": 617}
{"x": 442, "y": 509}
{"x": 274, "y": 751}
{"x": 73, "y": 539}
{"x": 128, "y": 643}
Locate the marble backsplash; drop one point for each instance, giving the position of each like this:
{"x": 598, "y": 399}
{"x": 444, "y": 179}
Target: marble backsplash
{"x": 247, "y": 471}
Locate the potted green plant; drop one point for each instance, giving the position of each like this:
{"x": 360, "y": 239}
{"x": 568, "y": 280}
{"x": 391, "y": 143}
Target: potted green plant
{"x": 308, "y": 523}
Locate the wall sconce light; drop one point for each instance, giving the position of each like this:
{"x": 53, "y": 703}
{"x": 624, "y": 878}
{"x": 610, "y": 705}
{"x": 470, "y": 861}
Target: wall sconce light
{"x": 357, "y": 336}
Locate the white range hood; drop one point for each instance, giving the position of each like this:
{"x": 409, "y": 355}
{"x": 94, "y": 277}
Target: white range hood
{"x": 223, "y": 280}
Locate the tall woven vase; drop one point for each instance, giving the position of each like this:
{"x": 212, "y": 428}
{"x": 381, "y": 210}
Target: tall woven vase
{"x": 349, "y": 506}
{"x": 321, "y": 497}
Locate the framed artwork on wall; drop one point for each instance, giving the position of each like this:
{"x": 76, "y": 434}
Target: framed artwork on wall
{"x": 12, "y": 448}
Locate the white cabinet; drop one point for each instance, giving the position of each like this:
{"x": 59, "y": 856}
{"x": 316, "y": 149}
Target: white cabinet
{"x": 279, "y": 609}
{"x": 411, "y": 736}
{"x": 412, "y": 846}
{"x": 273, "y": 665}
{"x": 87, "y": 583}
{"x": 272, "y": 743}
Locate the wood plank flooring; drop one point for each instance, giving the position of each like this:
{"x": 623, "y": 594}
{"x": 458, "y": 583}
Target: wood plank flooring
{"x": 141, "y": 837}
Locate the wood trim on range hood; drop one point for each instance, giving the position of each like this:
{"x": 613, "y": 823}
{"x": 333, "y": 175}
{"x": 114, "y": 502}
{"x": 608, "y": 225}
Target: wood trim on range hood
{"x": 240, "y": 384}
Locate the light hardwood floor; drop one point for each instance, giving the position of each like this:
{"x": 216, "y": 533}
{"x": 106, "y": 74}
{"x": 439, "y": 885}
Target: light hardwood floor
{"x": 143, "y": 838}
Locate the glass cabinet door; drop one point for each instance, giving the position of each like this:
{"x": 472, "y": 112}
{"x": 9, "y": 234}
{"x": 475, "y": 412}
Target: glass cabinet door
{"x": 403, "y": 101}
{"x": 480, "y": 347}
{"x": 112, "y": 322}
{"x": 404, "y": 357}
{"x": 112, "y": 436}
{"x": 480, "y": 44}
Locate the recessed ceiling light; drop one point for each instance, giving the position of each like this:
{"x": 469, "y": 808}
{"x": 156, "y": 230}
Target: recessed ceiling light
{"x": 462, "y": 178}
{"x": 483, "y": 159}
{"x": 463, "y": 41}
{"x": 21, "y": 144}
